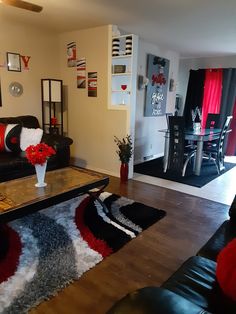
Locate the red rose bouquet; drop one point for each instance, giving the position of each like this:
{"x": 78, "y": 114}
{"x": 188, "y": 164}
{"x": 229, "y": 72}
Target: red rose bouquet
{"x": 38, "y": 154}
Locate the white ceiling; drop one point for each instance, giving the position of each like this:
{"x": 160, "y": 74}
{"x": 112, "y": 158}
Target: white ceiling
{"x": 194, "y": 28}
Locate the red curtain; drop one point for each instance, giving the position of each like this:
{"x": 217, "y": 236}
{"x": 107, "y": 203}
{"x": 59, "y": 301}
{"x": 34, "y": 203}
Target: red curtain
{"x": 212, "y": 93}
{"x": 231, "y": 144}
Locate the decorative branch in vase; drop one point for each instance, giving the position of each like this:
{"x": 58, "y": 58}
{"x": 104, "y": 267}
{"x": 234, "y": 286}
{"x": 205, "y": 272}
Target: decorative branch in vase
{"x": 196, "y": 118}
{"x": 125, "y": 152}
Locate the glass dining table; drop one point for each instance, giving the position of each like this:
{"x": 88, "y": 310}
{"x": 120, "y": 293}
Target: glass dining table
{"x": 201, "y": 136}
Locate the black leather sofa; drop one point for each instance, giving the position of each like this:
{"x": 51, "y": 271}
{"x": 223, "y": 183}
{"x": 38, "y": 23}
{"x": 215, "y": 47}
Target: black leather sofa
{"x": 15, "y": 165}
{"x": 193, "y": 288}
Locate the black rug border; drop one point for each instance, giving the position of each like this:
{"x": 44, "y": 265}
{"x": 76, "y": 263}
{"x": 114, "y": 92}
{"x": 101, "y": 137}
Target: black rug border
{"x": 187, "y": 180}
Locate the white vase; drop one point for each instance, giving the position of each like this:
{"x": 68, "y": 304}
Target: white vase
{"x": 40, "y": 173}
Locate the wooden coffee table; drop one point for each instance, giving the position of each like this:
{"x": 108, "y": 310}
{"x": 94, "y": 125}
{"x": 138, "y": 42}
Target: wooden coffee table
{"x": 20, "y": 197}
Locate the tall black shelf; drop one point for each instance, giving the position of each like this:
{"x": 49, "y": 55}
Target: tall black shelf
{"x": 52, "y": 106}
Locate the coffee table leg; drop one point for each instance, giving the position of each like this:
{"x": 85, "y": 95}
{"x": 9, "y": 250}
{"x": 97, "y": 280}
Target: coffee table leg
{"x": 4, "y": 241}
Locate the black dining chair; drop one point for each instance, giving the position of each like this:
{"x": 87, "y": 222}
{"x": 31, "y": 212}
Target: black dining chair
{"x": 179, "y": 154}
{"x": 216, "y": 152}
{"x": 212, "y": 122}
{"x": 168, "y": 114}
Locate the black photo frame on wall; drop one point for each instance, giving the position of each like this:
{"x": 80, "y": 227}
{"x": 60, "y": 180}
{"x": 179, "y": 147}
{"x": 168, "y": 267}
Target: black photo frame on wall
{"x": 13, "y": 62}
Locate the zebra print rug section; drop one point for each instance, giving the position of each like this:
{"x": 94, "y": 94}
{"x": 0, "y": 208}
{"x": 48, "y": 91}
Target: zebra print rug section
{"x": 49, "y": 249}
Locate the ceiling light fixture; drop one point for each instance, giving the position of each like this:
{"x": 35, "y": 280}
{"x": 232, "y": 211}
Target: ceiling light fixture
{"x": 23, "y": 5}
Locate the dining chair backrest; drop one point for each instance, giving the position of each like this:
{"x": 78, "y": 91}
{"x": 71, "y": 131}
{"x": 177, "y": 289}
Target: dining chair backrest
{"x": 168, "y": 114}
{"x": 221, "y": 142}
{"x": 212, "y": 121}
{"x": 176, "y": 143}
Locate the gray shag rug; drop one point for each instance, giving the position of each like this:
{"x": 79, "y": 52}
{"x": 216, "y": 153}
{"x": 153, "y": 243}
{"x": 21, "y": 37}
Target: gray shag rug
{"x": 55, "y": 246}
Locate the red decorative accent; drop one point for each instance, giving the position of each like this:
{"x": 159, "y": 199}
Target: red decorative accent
{"x": 212, "y": 93}
{"x": 25, "y": 60}
{"x": 96, "y": 244}
{"x": 9, "y": 263}
{"x": 226, "y": 270}
{"x": 2, "y": 134}
{"x": 53, "y": 121}
{"x": 14, "y": 140}
{"x": 38, "y": 154}
{"x": 124, "y": 170}
{"x": 158, "y": 79}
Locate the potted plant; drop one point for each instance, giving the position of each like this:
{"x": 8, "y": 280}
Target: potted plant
{"x": 124, "y": 151}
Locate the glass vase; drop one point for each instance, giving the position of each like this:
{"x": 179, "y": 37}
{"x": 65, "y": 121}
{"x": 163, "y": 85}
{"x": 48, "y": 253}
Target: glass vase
{"x": 124, "y": 170}
{"x": 40, "y": 174}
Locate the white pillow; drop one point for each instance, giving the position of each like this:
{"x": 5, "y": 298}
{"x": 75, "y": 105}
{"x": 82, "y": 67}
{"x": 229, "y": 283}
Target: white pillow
{"x": 30, "y": 137}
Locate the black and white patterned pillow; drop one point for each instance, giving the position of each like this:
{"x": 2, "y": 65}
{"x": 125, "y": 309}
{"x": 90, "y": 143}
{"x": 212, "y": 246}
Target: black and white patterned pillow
{"x": 10, "y": 137}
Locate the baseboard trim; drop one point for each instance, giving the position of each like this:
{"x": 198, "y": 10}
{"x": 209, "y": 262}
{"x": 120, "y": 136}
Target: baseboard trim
{"x": 76, "y": 162}
{"x": 143, "y": 159}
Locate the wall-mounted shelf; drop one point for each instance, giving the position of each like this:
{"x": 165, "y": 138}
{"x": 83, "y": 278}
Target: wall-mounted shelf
{"x": 121, "y": 74}
{"x": 122, "y": 56}
{"x": 52, "y": 106}
{"x": 123, "y": 70}
{"x": 121, "y": 91}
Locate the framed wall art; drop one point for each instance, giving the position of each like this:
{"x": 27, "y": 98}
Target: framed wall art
{"x": 92, "y": 84}
{"x": 13, "y": 62}
{"x": 71, "y": 54}
{"x": 156, "y": 90}
{"x": 81, "y": 73}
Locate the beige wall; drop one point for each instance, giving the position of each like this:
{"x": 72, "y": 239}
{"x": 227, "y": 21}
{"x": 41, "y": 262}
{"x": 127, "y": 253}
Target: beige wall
{"x": 43, "y": 49}
{"x": 91, "y": 124}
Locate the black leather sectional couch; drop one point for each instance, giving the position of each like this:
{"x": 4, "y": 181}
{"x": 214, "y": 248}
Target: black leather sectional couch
{"x": 193, "y": 288}
{"x": 15, "y": 165}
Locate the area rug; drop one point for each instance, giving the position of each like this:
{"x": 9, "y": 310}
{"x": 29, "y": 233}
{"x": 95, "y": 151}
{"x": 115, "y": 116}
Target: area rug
{"x": 55, "y": 246}
{"x": 154, "y": 168}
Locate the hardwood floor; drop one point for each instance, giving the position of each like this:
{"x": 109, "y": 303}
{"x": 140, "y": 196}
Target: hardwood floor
{"x": 147, "y": 260}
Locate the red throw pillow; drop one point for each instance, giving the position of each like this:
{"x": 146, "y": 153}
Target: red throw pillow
{"x": 10, "y": 137}
{"x": 226, "y": 270}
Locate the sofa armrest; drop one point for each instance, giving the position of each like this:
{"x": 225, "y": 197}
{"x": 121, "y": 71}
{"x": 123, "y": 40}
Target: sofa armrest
{"x": 223, "y": 235}
{"x": 154, "y": 300}
{"x": 57, "y": 141}
{"x": 232, "y": 210}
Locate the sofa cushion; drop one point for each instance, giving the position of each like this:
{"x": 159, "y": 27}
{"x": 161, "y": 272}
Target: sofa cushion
{"x": 223, "y": 235}
{"x": 30, "y": 136}
{"x": 154, "y": 300}
{"x": 226, "y": 269}
{"x": 196, "y": 281}
{"x": 57, "y": 141}
{"x": 10, "y": 162}
{"x": 232, "y": 210}
{"x": 26, "y": 121}
{"x": 10, "y": 137}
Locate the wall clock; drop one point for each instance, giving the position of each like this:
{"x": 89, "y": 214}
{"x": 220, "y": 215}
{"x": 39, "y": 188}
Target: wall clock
{"x": 15, "y": 89}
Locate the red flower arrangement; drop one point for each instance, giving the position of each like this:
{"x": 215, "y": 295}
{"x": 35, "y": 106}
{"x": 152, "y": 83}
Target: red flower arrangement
{"x": 38, "y": 154}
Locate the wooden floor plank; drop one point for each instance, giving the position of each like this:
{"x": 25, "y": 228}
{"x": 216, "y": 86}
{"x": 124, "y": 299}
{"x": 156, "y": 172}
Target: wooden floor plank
{"x": 147, "y": 260}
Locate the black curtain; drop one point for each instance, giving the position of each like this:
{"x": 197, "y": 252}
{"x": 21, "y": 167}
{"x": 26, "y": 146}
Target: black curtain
{"x": 228, "y": 94}
{"x": 194, "y": 94}
{"x": 228, "y": 101}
